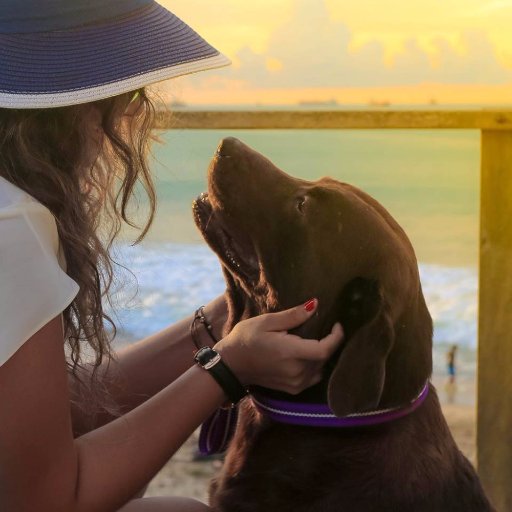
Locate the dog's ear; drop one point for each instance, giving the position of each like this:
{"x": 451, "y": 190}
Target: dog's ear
{"x": 357, "y": 380}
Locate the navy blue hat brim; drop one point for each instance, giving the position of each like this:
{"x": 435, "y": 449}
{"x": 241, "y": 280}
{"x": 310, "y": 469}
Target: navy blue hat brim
{"x": 100, "y": 60}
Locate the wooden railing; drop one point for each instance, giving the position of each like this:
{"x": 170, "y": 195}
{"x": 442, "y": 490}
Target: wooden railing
{"x": 494, "y": 400}
{"x": 313, "y": 120}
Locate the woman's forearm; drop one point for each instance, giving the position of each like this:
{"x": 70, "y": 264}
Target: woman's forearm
{"x": 118, "y": 459}
{"x": 144, "y": 368}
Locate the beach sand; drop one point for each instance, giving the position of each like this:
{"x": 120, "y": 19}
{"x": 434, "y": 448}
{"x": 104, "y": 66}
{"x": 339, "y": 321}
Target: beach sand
{"x": 182, "y": 476}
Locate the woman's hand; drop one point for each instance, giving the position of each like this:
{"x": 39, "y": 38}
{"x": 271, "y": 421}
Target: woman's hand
{"x": 261, "y": 352}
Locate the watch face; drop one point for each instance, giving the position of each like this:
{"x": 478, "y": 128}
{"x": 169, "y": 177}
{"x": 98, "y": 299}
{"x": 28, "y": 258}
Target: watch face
{"x": 205, "y": 355}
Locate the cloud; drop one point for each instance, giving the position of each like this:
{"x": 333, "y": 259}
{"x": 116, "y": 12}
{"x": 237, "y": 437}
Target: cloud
{"x": 314, "y": 51}
{"x": 478, "y": 64}
{"x": 491, "y": 7}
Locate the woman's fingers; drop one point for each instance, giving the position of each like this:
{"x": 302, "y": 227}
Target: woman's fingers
{"x": 309, "y": 358}
{"x": 314, "y": 350}
{"x": 279, "y": 360}
{"x": 309, "y": 377}
{"x": 289, "y": 318}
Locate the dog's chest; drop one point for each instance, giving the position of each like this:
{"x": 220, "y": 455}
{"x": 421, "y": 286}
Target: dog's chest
{"x": 280, "y": 464}
{"x": 272, "y": 467}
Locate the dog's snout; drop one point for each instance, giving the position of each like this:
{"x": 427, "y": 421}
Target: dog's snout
{"x": 228, "y": 146}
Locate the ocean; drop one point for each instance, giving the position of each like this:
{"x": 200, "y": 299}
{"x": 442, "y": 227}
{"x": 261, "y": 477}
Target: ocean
{"x": 427, "y": 179}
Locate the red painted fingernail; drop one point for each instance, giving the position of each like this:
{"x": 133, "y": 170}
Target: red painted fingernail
{"x": 310, "y": 305}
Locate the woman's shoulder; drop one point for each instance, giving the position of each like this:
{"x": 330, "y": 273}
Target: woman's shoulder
{"x": 35, "y": 287}
{"x": 17, "y": 208}
{"x": 12, "y": 196}
{"x": 14, "y": 201}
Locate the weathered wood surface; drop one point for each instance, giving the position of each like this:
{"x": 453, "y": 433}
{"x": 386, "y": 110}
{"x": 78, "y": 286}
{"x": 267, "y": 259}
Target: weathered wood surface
{"x": 371, "y": 119}
{"x": 494, "y": 429}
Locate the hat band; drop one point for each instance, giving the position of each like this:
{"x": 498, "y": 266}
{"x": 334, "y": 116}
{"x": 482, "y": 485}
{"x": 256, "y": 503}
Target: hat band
{"x": 87, "y": 94}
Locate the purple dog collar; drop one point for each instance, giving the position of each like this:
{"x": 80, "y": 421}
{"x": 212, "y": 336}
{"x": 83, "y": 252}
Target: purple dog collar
{"x": 320, "y": 415}
{"x": 216, "y": 432}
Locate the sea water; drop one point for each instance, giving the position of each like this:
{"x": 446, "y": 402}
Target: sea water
{"x": 428, "y": 180}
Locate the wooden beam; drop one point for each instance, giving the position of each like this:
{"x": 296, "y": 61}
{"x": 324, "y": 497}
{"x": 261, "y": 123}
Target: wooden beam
{"x": 494, "y": 430}
{"x": 369, "y": 119}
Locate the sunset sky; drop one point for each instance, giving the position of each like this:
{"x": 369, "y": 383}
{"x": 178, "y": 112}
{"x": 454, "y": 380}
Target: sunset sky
{"x": 414, "y": 51}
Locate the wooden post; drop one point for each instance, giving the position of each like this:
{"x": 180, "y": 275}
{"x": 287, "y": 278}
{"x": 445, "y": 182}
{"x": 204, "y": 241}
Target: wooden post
{"x": 494, "y": 431}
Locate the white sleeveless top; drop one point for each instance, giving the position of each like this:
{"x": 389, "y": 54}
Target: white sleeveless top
{"x": 34, "y": 287}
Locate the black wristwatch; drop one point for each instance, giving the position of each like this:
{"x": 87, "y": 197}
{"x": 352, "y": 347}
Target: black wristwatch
{"x": 210, "y": 360}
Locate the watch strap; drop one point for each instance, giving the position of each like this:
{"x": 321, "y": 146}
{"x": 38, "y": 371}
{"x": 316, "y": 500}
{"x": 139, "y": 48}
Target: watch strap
{"x": 210, "y": 360}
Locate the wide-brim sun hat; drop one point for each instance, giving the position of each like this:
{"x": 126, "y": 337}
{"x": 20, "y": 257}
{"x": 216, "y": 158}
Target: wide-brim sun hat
{"x": 63, "y": 52}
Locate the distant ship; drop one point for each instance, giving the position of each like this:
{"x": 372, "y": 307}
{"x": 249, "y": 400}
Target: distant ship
{"x": 318, "y": 103}
{"x": 177, "y": 103}
{"x": 379, "y": 103}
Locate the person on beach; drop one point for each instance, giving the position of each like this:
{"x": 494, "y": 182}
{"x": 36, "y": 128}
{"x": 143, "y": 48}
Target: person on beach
{"x": 75, "y": 120}
{"x": 450, "y": 362}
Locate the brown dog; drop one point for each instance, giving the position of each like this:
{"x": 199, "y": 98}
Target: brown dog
{"x": 282, "y": 240}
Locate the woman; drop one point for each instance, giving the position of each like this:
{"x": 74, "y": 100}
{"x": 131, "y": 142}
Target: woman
{"x": 75, "y": 120}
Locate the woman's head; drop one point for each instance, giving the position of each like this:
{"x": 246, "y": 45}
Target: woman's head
{"x": 83, "y": 162}
{"x": 73, "y": 135}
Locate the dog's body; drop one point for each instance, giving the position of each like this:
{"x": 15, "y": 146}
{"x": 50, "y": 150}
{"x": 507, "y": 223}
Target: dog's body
{"x": 282, "y": 241}
{"x": 411, "y": 464}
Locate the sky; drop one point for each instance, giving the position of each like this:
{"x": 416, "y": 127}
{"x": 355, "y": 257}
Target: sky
{"x": 397, "y": 51}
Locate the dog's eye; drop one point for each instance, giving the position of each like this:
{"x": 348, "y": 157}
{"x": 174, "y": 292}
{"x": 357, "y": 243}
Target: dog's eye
{"x": 301, "y": 203}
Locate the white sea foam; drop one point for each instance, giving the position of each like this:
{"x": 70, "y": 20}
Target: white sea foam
{"x": 173, "y": 279}
{"x": 451, "y": 295}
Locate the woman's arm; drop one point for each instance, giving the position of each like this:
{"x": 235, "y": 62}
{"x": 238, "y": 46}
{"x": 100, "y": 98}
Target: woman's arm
{"x": 147, "y": 366}
{"x": 43, "y": 468}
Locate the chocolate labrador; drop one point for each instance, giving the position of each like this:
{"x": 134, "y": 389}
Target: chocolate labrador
{"x": 371, "y": 436}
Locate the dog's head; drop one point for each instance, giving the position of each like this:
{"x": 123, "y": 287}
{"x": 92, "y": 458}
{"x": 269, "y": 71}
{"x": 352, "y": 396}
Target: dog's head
{"x": 283, "y": 240}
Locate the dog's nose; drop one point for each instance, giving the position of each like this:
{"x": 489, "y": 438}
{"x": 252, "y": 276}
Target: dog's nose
{"x": 227, "y": 146}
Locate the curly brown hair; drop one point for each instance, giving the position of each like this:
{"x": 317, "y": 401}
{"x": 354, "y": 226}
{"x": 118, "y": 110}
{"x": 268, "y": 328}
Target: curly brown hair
{"x": 83, "y": 162}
